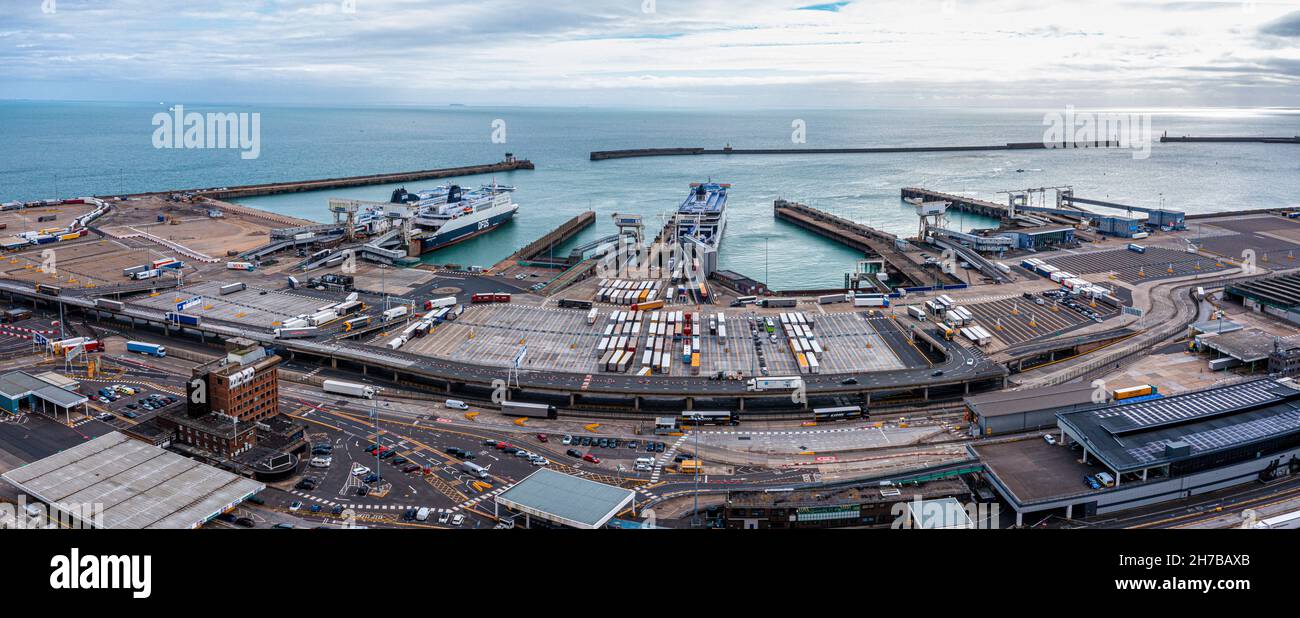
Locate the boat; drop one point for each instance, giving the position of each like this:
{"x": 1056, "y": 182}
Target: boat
{"x": 447, "y": 214}
{"x": 702, "y": 220}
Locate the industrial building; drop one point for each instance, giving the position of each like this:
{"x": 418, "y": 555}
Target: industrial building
{"x": 131, "y": 485}
{"x": 563, "y": 500}
{"x": 1276, "y": 296}
{"x": 1027, "y": 410}
{"x": 1039, "y": 238}
{"x": 1152, "y": 451}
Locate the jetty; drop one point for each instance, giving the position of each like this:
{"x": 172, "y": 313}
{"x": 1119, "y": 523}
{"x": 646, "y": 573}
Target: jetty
{"x": 861, "y": 237}
{"x": 601, "y": 155}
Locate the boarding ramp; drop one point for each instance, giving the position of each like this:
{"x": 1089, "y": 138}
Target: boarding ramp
{"x": 982, "y": 264}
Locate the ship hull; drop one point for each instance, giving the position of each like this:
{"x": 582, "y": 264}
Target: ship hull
{"x": 445, "y": 239}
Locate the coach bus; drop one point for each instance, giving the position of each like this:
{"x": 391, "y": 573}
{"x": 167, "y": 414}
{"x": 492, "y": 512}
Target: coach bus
{"x": 709, "y": 417}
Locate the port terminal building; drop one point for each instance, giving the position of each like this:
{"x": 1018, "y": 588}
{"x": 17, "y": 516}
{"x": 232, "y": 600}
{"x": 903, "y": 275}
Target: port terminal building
{"x": 1277, "y": 296}
{"x": 1153, "y": 451}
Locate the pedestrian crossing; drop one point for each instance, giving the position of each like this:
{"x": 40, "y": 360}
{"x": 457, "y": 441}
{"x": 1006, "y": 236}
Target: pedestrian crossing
{"x": 666, "y": 457}
{"x": 789, "y": 433}
{"x": 483, "y": 497}
{"x": 369, "y": 507}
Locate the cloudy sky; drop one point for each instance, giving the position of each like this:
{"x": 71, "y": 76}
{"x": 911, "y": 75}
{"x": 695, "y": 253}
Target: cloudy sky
{"x": 657, "y": 53}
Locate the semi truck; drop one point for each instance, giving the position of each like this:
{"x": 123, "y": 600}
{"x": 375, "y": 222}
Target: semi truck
{"x": 534, "y": 410}
{"x": 233, "y": 287}
{"x": 349, "y": 389}
{"x": 438, "y": 303}
{"x": 111, "y": 305}
{"x": 773, "y": 383}
{"x": 296, "y": 333}
{"x": 152, "y": 349}
{"x": 780, "y": 302}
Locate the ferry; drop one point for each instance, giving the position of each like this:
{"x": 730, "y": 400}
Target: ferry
{"x": 701, "y": 222}
{"x": 703, "y": 216}
{"x": 448, "y": 214}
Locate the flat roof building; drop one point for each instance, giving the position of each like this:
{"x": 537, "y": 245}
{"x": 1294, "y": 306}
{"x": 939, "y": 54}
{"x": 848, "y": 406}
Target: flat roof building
{"x": 1153, "y": 451}
{"x": 1026, "y": 410}
{"x": 1277, "y": 296}
{"x": 134, "y": 485}
{"x": 19, "y": 389}
{"x": 565, "y": 500}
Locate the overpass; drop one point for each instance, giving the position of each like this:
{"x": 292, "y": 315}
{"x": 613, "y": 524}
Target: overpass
{"x": 962, "y": 370}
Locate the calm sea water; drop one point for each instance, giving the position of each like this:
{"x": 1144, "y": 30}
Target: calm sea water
{"x": 68, "y": 149}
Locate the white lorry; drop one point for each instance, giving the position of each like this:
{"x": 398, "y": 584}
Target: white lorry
{"x": 350, "y": 389}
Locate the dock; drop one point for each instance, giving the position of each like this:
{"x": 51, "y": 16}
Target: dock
{"x": 971, "y": 205}
{"x": 510, "y": 164}
{"x": 601, "y": 155}
{"x": 861, "y": 237}
{"x": 543, "y": 249}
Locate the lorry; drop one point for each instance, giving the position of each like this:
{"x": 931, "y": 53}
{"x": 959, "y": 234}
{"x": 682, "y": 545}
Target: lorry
{"x": 780, "y": 302}
{"x": 349, "y": 388}
{"x": 296, "y": 333}
{"x": 832, "y": 298}
{"x": 233, "y": 287}
{"x": 774, "y": 383}
{"x": 395, "y": 313}
{"x": 152, "y": 349}
{"x": 249, "y": 266}
{"x": 870, "y": 300}
{"x": 439, "y": 303}
{"x": 183, "y": 319}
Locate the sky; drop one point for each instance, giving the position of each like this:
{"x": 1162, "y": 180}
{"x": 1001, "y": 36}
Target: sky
{"x": 657, "y": 53}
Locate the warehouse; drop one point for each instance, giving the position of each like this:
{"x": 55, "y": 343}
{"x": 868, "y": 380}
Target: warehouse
{"x": 133, "y": 485}
{"x": 1015, "y": 411}
{"x": 1152, "y": 451}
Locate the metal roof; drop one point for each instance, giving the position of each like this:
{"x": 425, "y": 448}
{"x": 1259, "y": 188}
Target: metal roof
{"x": 1246, "y": 346}
{"x": 137, "y": 484}
{"x": 1031, "y": 400}
{"x": 566, "y": 499}
{"x": 1134, "y": 436}
{"x": 19, "y": 384}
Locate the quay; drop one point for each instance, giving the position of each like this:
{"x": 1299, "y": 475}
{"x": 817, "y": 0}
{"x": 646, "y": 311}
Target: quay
{"x": 600, "y": 155}
{"x": 971, "y": 205}
{"x": 542, "y": 250}
{"x": 869, "y": 240}
{"x": 510, "y": 164}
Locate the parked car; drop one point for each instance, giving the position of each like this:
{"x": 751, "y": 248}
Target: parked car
{"x": 541, "y": 437}
{"x": 295, "y": 506}
{"x": 568, "y": 439}
{"x": 573, "y": 453}
{"x": 457, "y": 519}
{"x": 246, "y": 522}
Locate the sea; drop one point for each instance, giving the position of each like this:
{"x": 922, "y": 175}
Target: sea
{"x": 68, "y": 149}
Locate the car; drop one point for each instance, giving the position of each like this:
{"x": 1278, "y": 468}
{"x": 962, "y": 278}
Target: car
{"x": 586, "y": 440}
{"x": 1091, "y": 482}
{"x": 226, "y": 517}
{"x": 256, "y": 500}
{"x": 397, "y": 461}
{"x": 937, "y": 373}
{"x": 568, "y": 439}
{"x": 457, "y": 519}
{"x": 615, "y": 443}
{"x": 363, "y": 490}
{"x": 315, "y": 508}
{"x": 388, "y": 455}
{"x": 540, "y": 461}
{"x": 372, "y": 448}
{"x": 321, "y": 462}
{"x": 634, "y": 444}
{"x": 970, "y": 361}
{"x": 337, "y": 510}
{"x": 661, "y": 447}
{"x": 489, "y": 443}
{"x": 591, "y": 458}
{"x": 1047, "y": 437}
{"x": 359, "y": 470}
{"x": 501, "y": 446}
{"x": 573, "y": 452}
{"x": 602, "y": 443}
{"x": 522, "y": 453}
{"x": 372, "y": 478}
{"x": 306, "y": 484}
{"x": 1105, "y": 479}
{"x": 409, "y": 515}
{"x": 541, "y": 437}
{"x": 510, "y": 451}
{"x": 849, "y": 380}
{"x": 295, "y": 506}
{"x": 283, "y": 526}
{"x": 131, "y": 406}
{"x": 246, "y": 522}
{"x": 444, "y": 518}
{"x": 410, "y": 468}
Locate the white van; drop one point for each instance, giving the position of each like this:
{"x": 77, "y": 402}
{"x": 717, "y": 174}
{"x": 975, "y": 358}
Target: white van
{"x": 456, "y": 404}
{"x": 422, "y": 514}
{"x": 321, "y": 462}
{"x": 645, "y": 463}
